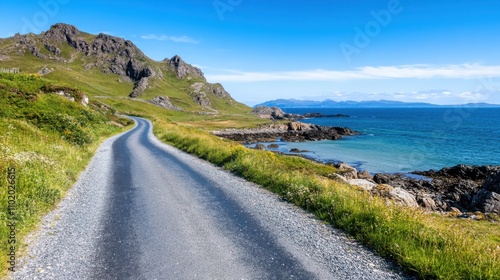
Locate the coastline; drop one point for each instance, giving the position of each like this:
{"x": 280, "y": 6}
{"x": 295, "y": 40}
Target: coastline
{"x": 462, "y": 191}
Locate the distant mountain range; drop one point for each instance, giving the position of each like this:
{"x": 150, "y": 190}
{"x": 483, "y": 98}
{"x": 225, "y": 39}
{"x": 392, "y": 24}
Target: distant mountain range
{"x": 294, "y": 103}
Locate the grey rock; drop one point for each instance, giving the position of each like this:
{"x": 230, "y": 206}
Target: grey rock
{"x": 427, "y": 202}
{"x": 260, "y": 147}
{"x": 487, "y": 200}
{"x": 395, "y": 194}
{"x": 164, "y": 102}
{"x": 269, "y": 112}
{"x": 139, "y": 87}
{"x": 362, "y": 183}
{"x": 291, "y": 132}
{"x": 44, "y": 71}
{"x": 184, "y": 70}
{"x": 365, "y": 175}
{"x": 347, "y": 171}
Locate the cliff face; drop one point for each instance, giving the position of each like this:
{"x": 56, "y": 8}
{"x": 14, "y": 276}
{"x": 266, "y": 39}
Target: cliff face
{"x": 65, "y": 44}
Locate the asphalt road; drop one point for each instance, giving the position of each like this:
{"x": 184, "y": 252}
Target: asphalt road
{"x": 144, "y": 210}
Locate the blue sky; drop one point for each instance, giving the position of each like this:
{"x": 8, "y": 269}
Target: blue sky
{"x": 443, "y": 52}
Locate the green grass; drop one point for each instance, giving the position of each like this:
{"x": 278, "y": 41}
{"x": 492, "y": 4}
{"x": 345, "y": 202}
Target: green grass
{"x": 48, "y": 140}
{"x": 426, "y": 245}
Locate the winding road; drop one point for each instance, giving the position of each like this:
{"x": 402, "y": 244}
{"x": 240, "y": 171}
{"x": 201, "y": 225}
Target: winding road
{"x": 145, "y": 210}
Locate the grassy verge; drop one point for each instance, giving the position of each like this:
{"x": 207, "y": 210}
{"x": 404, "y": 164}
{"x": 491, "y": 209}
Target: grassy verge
{"x": 45, "y": 142}
{"x": 429, "y": 246}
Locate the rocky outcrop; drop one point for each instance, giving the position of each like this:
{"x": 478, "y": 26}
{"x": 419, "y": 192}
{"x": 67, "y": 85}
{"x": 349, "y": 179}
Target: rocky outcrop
{"x": 107, "y": 53}
{"x": 64, "y": 44}
{"x": 264, "y": 112}
{"x": 200, "y": 92}
{"x": 275, "y": 113}
{"x": 467, "y": 188}
{"x": 139, "y": 87}
{"x": 184, "y": 70}
{"x": 219, "y": 91}
{"x": 487, "y": 199}
{"x": 64, "y": 33}
{"x": 291, "y": 132}
{"x": 164, "y": 102}
{"x": 395, "y": 194}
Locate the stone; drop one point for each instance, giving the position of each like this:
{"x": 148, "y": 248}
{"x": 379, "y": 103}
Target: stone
{"x": 362, "y": 183}
{"x": 260, "y": 147}
{"x": 427, "y": 202}
{"x": 455, "y": 211}
{"x": 492, "y": 183}
{"x": 45, "y": 71}
{"x": 164, "y": 102}
{"x": 365, "y": 175}
{"x": 85, "y": 100}
{"x": 487, "y": 202}
{"x": 395, "y": 194}
{"x": 347, "y": 171}
{"x": 273, "y": 146}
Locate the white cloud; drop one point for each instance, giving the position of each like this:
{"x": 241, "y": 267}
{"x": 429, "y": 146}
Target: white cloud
{"x": 177, "y": 39}
{"x": 473, "y": 96}
{"x": 462, "y": 71}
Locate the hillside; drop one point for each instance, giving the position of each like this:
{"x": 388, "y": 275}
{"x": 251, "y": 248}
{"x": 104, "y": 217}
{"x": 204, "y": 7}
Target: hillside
{"x": 48, "y": 133}
{"x": 105, "y": 66}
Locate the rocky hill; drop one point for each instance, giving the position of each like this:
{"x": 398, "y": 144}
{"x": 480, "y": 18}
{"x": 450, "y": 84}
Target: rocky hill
{"x": 66, "y": 53}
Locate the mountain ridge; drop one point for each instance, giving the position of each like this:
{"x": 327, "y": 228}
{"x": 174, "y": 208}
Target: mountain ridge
{"x": 66, "y": 50}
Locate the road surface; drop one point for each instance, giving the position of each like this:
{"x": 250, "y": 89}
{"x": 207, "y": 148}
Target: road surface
{"x": 145, "y": 210}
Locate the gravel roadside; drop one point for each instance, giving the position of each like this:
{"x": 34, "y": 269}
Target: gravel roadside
{"x": 63, "y": 247}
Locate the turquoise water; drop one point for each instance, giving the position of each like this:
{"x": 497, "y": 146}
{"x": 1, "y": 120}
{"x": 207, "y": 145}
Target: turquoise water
{"x": 408, "y": 139}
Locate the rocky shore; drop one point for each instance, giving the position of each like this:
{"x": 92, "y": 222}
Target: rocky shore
{"x": 462, "y": 191}
{"x": 290, "y": 132}
{"x": 465, "y": 191}
{"x": 275, "y": 113}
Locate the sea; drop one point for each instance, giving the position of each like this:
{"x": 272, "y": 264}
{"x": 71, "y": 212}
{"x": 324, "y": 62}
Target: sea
{"x": 402, "y": 140}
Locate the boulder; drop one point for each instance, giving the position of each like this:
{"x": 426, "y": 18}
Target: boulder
{"x": 487, "y": 200}
{"x": 273, "y": 146}
{"x": 492, "y": 183}
{"x": 260, "y": 147}
{"x": 381, "y": 178}
{"x": 362, "y": 183}
{"x": 85, "y": 100}
{"x": 45, "y": 71}
{"x": 347, "y": 171}
{"x": 295, "y": 150}
{"x": 365, "y": 175}
{"x": 395, "y": 194}
{"x": 427, "y": 202}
